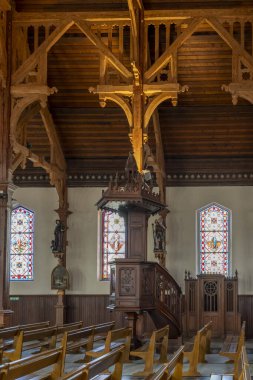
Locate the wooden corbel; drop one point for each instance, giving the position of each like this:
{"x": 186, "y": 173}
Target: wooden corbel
{"x": 121, "y": 101}
{"x": 170, "y": 91}
{"x": 23, "y": 96}
{"x": 240, "y": 90}
{"x": 22, "y": 90}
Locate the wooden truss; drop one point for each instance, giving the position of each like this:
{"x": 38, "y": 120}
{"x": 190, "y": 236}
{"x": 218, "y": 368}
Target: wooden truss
{"x": 139, "y": 88}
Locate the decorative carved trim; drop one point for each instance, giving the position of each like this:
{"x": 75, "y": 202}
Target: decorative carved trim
{"x": 127, "y": 281}
{"x": 179, "y": 178}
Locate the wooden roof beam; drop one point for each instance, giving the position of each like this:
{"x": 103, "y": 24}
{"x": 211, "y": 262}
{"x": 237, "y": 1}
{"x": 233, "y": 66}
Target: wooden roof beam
{"x": 44, "y": 48}
{"x": 166, "y": 56}
{"x": 161, "y": 175}
{"x": 5, "y": 5}
{"x": 58, "y": 155}
{"x": 123, "y": 16}
{"x": 226, "y": 36}
{"x": 37, "y": 160}
{"x": 38, "y": 17}
{"x": 112, "y": 59}
{"x": 136, "y": 11}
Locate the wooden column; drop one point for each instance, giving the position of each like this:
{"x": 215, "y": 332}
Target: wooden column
{"x": 137, "y": 135}
{"x": 6, "y": 187}
{"x": 6, "y": 190}
{"x": 63, "y": 213}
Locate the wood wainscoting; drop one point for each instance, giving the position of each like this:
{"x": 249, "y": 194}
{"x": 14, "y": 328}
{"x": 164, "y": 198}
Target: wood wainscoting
{"x": 245, "y": 305}
{"x": 32, "y": 308}
{"x": 92, "y": 309}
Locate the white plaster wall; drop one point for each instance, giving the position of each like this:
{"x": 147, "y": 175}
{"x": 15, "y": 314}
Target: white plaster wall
{"x": 181, "y": 232}
{"x": 83, "y": 223}
{"x": 82, "y": 257}
{"x": 43, "y": 201}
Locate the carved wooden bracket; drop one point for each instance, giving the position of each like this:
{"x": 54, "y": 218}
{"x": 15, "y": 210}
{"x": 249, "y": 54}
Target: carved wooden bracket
{"x": 153, "y": 94}
{"x": 24, "y": 95}
{"x": 240, "y": 90}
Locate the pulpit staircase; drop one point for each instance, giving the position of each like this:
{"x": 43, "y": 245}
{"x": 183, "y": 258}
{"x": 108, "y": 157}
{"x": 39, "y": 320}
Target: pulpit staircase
{"x": 167, "y": 302}
{"x": 144, "y": 286}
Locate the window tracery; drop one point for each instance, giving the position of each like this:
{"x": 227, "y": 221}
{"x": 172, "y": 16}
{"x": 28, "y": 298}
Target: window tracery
{"x": 21, "y": 245}
{"x": 113, "y": 240}
{"x": 214, "y": 239}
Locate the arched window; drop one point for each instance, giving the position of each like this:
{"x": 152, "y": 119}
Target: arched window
{"x": 214, "y": 239}
{"x": 113, "y": 240}
{"x": 21, "y": 247}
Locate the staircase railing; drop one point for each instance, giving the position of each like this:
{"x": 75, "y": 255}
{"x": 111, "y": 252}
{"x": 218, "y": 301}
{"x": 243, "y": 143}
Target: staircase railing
{"x": 146, "y": 286}
{"x": 167, "y": 294}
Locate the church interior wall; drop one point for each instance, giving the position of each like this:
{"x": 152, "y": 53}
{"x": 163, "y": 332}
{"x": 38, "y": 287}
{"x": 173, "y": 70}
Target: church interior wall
{"x": 43, "y": 201}
{"x": 83, "y": 227}
{"x": 181, "y": 229}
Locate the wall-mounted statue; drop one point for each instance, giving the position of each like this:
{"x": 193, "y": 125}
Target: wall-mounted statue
{"x": 159, "y": 231}
{"x": 57, "y": 243}
{"x": 159, "y": 234}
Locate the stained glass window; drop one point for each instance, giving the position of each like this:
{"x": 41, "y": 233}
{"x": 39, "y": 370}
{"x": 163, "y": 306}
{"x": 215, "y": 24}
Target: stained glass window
{"x": 214, "y": 239}
{"x": 113, "y": 240}
{"x": 21, "y": 247}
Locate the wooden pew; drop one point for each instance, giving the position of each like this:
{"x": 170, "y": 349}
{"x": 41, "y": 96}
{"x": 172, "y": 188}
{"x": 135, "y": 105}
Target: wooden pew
{"x": 41, "y": 339}
{"x": 175, "y": 365}
{"x": 233, "y": 344}
{"x": 101, "y": 330}
{"x": 115, "y": 357}
{"x": 85, "y": 337}
{"x": 113, "y": 336}
{"x": 95, "y": 367}
{"x": 61, "y": 329}
{"x": 241, "y": 369}
{"x": 200, "y": 347}
{"x": 34, "y": 363}
{"x": 44, "y": 338}
{"x": 147, "y": 351}
{"x": 9, "y": 334}
{"x": 30, "y": 326}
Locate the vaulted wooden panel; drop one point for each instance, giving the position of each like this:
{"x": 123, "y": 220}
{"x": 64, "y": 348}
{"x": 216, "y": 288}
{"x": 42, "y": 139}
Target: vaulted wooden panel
{"x": 204, "y": 125}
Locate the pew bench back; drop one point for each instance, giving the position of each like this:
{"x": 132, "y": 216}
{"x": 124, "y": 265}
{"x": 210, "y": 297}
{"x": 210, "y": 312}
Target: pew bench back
{"x": 42, "y": 339}
{"x": 200, "y": 347}
{"x": 94, "y": 368}
{"x": 86, "y": 336}
{"x": 233, "y": 344}
{"x": 114, "y": 339}
{"x": 32, "y": 364}
{"x": 147, "y": 352}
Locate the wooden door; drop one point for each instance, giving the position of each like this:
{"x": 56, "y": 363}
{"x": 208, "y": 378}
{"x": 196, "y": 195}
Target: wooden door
{"x": 212, "y": 302}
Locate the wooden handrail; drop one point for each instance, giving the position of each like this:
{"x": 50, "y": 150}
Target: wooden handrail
{"x": 168, "y": 292}
{"x": 168, "y": 275}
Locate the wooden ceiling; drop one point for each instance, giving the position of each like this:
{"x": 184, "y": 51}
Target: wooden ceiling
{"x": 203, "y": 125}
{"x": 102, "y": 5}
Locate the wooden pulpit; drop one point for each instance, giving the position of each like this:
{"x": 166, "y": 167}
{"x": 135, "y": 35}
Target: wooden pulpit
{"x": 211, "y": 297}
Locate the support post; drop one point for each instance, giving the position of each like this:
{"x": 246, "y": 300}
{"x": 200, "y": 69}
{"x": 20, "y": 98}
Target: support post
{"x": 6, "y": 187}
{"x": 63, "y": 213}
{"x": 132, "y": 318}
{"x": 60, "y": 308}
